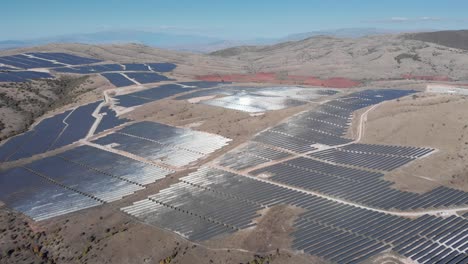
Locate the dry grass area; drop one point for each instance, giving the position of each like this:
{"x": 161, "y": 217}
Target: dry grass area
{"x": 425, "y": 120}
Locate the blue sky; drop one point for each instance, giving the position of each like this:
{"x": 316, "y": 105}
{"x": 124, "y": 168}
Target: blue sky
{"x": 239, "y": 19}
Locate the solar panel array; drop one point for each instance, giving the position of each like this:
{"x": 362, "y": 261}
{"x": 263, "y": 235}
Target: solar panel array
{"x": 5, "y": 68}
{"x": 334, "y": 231}
{"x": 39, "y": 198}
{"x": 115, "y": 67}
{"x": 147, "y": 77}
{"x": 118, "y": 79}
{"x": 22, "y": 61}
{"x": 23, "y": 76}
{"x": 44, "y": 60}
{"x": 165, "y": 144}
{"x": 68, "y": 63}
{"x": 53, "y": 132}
{"x": 38, "y": 140}
{"x": 74, "y": 180}
{"x": 300, "y": 133}
{"x": 366, "y": 160}
{"x": 150, "y": 95}
{"x": 327, "y": 123}
{"x": 250, "y": 156}
{"x": 58, "y": 131}
{"x": 88, "y": 69}
{"x": 64, "y": 58}
{"x": 116, "y": 165}
{"x": 109, "y": 120}
{"x": 359, "y": 186}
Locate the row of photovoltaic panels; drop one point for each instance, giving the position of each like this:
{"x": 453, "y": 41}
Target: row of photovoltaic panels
{"x": 5, "y": 68}
{"x": 130, "y": 67}
{"x": 65, "y": 58}
{"x": 118, "y": 79}
{"x": 150, "y": 95}
{"x": 365, "y": 160}
{"x": 359, "y": 186}
{"x": 23, "y": 76}
{"x": 156, "y": 93}
{"x": 109, "y": 120}
{"x": 147, "y": 77}
{"x": 51, "y": 133}
{"x": 58, "y": 131}
{"x": 67, "y": 63}
{"x": 251, "y": 155}
{"x": 165, "y": 144}
{"x": 334, "y": 231}
{"x": 121, "y": 75}
{"x": 43, "y": 60}
{"x": 74, "y": 180}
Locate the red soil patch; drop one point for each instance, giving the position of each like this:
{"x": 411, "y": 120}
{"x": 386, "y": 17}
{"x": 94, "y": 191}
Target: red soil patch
{"x": 427, "y": 78}
{"x": 268, "y": 77}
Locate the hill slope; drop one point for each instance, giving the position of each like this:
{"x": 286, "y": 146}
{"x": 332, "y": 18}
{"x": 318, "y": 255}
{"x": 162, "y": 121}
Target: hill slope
{"x": 376, "y": 57}
{"x": 455, "y": 39}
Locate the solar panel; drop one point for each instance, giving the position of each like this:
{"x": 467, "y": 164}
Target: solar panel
{"x": 79, "y": 123}
{"x": 136, "y": 67}
{"x": 150, "y": 95}
{"x": 117, "y": 79}
{"x": 65, "y": 58}
{"x": 143, "y": 77}
{"x": 109, "y": 120}
{"x": 162, "y": 67}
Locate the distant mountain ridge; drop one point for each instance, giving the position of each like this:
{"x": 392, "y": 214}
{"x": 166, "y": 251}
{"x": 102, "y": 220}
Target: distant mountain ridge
{"x": 182, "y": 42}
{"x": 340, "y": 33}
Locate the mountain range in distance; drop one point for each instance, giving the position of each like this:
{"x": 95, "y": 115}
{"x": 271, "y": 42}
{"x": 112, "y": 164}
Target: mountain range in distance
{"x": 185, "y": 42}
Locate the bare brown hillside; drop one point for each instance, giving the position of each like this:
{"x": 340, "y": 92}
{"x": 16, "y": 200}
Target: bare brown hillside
{"x": 376, "y": 57}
